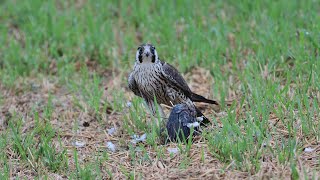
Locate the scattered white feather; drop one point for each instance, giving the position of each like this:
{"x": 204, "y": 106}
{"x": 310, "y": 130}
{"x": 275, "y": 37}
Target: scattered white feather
{"x": 111, "y": 146}
{"x": 78, "y": 144}
{"x": 111, "y": 131}
{"x": 137, "y": 138}
{"x": 308, "y": 149}
{"x": 143, "y": 137}
{"x": 200, "y": 119}
{"x": 129, "y": 104}
{"x": 173, "y": 150}
{"x": 195, "y": 124}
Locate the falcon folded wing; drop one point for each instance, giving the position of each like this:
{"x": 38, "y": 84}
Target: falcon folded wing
{"x": 133, "y": 85}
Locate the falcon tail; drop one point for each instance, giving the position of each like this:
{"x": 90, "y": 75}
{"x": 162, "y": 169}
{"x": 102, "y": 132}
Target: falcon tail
{"x": 198, "y": 98}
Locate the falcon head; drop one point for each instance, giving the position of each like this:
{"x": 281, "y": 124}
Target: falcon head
{"x": 146, "y": 53}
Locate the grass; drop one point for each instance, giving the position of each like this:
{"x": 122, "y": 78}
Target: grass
{"x": 63, "y": 72}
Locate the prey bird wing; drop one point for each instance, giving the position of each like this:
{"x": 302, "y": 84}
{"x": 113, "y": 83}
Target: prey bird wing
{"x": 174, "y": 78}
{"x": 133, "y": 85}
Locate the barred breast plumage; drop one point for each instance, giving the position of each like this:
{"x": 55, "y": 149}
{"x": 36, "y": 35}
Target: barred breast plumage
{"x": 152, "y": 83}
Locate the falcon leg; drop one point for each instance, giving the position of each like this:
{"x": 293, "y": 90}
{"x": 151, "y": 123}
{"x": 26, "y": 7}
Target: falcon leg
{"x": 153, "y": 107}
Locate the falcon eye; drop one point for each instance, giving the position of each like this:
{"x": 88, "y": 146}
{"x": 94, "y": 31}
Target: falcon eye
{"x": 140, "y": 50}
{"x": 152, "y": 49}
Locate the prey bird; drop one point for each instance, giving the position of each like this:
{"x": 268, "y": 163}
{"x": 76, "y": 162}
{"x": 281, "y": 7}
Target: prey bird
{"x": 153, "y": 79}
{"x": 182, "y": 118}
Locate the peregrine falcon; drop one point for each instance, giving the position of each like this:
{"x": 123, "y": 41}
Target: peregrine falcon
{"x": 153, "y": 79}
